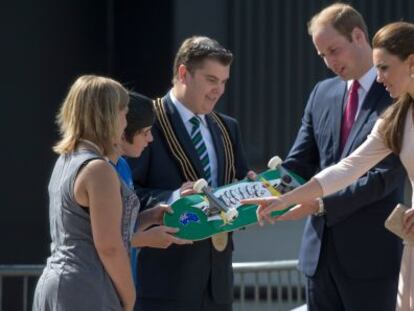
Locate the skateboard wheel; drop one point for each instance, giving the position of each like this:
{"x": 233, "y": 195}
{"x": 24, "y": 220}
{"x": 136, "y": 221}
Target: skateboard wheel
{"x": 274, "y": 162}
{"x": 199, "y": 185}
{"x": 232, "y": 214}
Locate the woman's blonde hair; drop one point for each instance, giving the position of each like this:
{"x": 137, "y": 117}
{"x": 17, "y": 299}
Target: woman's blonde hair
{"x": 90, "y": 111}
{"x": 398, "y": 40}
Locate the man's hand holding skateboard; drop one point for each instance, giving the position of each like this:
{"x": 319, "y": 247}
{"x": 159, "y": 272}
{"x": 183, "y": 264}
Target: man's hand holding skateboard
{"x": 158, "y": 236}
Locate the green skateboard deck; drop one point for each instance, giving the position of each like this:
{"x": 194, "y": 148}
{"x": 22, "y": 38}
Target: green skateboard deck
{"x": 197, "y": 217}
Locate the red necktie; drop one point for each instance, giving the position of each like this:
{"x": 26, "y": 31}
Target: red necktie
{"x": 348, "y": 117}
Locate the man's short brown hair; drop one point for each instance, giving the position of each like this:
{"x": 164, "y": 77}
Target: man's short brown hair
{"x": 343, "y": 18}
{"x": 193, "y": 51}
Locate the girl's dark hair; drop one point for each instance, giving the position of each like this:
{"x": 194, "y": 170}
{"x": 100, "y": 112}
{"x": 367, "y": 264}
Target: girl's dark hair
{"x": 140, "y": 115}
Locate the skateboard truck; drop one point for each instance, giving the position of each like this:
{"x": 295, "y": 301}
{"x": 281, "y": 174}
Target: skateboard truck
{"x": 273, "y": 164}
{"x": 228, "y": 214}
{"x": 286, "y": 182}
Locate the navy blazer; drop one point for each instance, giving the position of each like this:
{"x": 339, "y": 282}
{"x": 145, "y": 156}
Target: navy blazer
{"x": 182, "y": 272}
{"x": 356, "y": 214}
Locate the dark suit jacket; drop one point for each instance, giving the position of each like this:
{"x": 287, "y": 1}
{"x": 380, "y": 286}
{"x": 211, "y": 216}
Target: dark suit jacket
{"x": 183, "y": 272}
{"x": 355, "y": 215}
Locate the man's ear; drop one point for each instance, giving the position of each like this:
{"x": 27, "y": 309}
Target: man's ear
{"x": 410, "y": 60}
{"x": 182, "y": 73}
{"x": 358, "y": 35}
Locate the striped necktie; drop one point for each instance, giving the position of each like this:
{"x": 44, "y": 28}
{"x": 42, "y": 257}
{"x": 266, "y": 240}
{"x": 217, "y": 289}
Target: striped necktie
{"x": 200, "y": 147}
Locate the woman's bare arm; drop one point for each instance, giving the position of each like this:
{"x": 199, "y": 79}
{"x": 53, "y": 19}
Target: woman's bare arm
{"x": 98, "y": 186}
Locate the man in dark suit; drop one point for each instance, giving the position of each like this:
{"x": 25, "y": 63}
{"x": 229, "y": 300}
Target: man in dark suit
{"x": 190, "y": 142}
{"x": 350, "y": 260}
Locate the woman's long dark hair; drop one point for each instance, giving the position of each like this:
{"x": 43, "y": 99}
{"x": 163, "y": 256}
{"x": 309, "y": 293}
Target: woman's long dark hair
{"x": 397, "y": 39}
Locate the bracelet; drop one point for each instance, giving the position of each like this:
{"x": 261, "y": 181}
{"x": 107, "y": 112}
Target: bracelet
{"x": 321, "y": 208}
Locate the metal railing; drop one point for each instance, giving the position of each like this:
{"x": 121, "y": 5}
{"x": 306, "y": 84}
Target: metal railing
{"x": 276, "y": 284}
{"x": 25, "y": 272}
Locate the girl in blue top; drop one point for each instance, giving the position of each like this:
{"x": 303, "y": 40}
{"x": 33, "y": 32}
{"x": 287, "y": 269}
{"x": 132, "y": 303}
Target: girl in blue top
{"x": 137, "y": 136}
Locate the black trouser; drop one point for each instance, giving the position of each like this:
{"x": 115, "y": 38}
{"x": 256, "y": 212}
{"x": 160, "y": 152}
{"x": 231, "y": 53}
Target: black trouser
{"x": 205, "y": 303}
{"x": 331, "y": 289}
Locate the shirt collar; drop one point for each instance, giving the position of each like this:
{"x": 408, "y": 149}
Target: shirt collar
{"x": 365, "y": 81}
{"x": 185, "y": 113}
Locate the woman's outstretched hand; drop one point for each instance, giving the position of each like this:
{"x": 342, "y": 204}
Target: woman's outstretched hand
{"x": 300, "y": 211}
{"x": 270, "y": 204}
{"x": 266, "y": 206}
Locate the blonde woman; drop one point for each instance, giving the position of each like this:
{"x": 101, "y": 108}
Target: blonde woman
{"x": 91, "y": 214}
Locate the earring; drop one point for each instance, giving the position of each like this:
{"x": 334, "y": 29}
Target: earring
{"x": 412, "y": 75}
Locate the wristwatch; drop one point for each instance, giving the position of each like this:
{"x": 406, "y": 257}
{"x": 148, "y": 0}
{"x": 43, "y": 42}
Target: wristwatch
{"x": 321, "y": 208}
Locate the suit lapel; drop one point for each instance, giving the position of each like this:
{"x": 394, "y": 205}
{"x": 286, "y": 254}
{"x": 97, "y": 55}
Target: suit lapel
{"x": 367, "y": 106}
{"x": 337, "y": 112}
{"x": 182, "y": 135}
{"x": 218, "y": 146}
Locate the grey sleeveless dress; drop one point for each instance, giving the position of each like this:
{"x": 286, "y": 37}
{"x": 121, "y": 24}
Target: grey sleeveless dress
{"x": 74, "y": 277}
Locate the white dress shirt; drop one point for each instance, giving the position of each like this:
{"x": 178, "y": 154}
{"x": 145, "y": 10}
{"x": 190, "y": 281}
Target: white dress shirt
{"x": 186, "y": 115}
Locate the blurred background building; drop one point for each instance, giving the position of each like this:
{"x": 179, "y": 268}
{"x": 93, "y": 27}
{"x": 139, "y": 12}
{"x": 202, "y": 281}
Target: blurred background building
{"x": 46, "y": 44}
